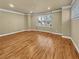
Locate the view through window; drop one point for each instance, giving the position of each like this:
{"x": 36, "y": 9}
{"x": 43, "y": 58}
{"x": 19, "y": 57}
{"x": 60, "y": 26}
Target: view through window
{"x": 45, "y": 20}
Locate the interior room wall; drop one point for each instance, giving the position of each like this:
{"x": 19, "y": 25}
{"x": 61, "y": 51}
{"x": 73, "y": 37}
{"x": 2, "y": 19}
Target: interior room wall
{"x": 11, "y": 22}
{"x": 66, "y": 21}
{"x": 61, "y": 22}
{"x": 56, "y": 23}
{"x": 75, "y": 31}
{"x": 75, "y": 22}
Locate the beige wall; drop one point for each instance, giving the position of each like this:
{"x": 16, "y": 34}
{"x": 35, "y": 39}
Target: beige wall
{"x": 75, "y": 31}
{"x": 75, "y": 22}
{"x": 10, "y": 22}
{"x": 56, "y": 23}
{"x": 66, "y": 21}
{"x": 61, "y": 22}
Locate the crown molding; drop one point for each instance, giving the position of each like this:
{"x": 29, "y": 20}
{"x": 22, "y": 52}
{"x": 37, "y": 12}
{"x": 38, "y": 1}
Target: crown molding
{"x": 10, "y": 11}
{"x": 48, "y": 12}
{"x": 55, "y": 11}
{"x": 69, "y": 6}
{"x": 66, "y": 7}
{"x": 5, "y": 10}
{"x": 72, "y": 3}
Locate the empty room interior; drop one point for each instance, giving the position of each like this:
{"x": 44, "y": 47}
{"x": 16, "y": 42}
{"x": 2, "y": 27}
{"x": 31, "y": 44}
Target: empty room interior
{"x": 39, "y": 29}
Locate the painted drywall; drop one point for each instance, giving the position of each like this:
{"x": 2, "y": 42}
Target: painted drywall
{"x": 61, "y": 22}
{"x": 75, "y": 31}
{"x": 56, "y": 23}
{"x": 66, "y": 21}
{"x": 11, "y": 22}
{"x": 75, "y": 9}
{"x": 75, "y": 23}
{"x": 29, "y": 21}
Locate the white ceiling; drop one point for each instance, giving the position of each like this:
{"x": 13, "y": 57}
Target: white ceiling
{"x": 26, "y": 6}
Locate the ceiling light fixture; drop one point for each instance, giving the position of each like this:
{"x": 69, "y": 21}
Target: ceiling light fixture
{"x": 11, "y": 5}
{"x": 31, "y": 12}
{"x": 48, "y": 8}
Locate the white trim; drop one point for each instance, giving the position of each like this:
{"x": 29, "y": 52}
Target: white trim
{"x": 47, "y": 12}
{"x": 43, "y": 31}
{"x": 73, "y": 1}
{"x": 75, "y": 45}
{"x": 55, "y": 11}
{"x": 66, "y": 37}
{"x": 29, "y": 30}
{"x": 5, "y": 10}
{"x": 66, "y": 7}
{"x": 12, "y": 33}
{"x": 73, "y": 42}
{"x": 58, "y": 34}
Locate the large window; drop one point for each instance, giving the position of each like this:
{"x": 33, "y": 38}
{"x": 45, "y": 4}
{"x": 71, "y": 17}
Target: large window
{"x": 45, "y": 20}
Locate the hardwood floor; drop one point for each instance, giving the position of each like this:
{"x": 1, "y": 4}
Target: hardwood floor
{"x": 36, "y": 45}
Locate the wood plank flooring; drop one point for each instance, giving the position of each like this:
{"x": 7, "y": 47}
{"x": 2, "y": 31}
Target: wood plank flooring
{"x": 36, "y": 45}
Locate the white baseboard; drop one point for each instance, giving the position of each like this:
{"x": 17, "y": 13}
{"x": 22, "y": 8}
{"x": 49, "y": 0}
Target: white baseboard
{"x": 11, "y": 33}
{"x": 76, "y": 46}
{"x": 28, "y": 30}
{"x": 58, "y": 34}
{"x": 43, "y": 31}
{"x": 73, "y": 42}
